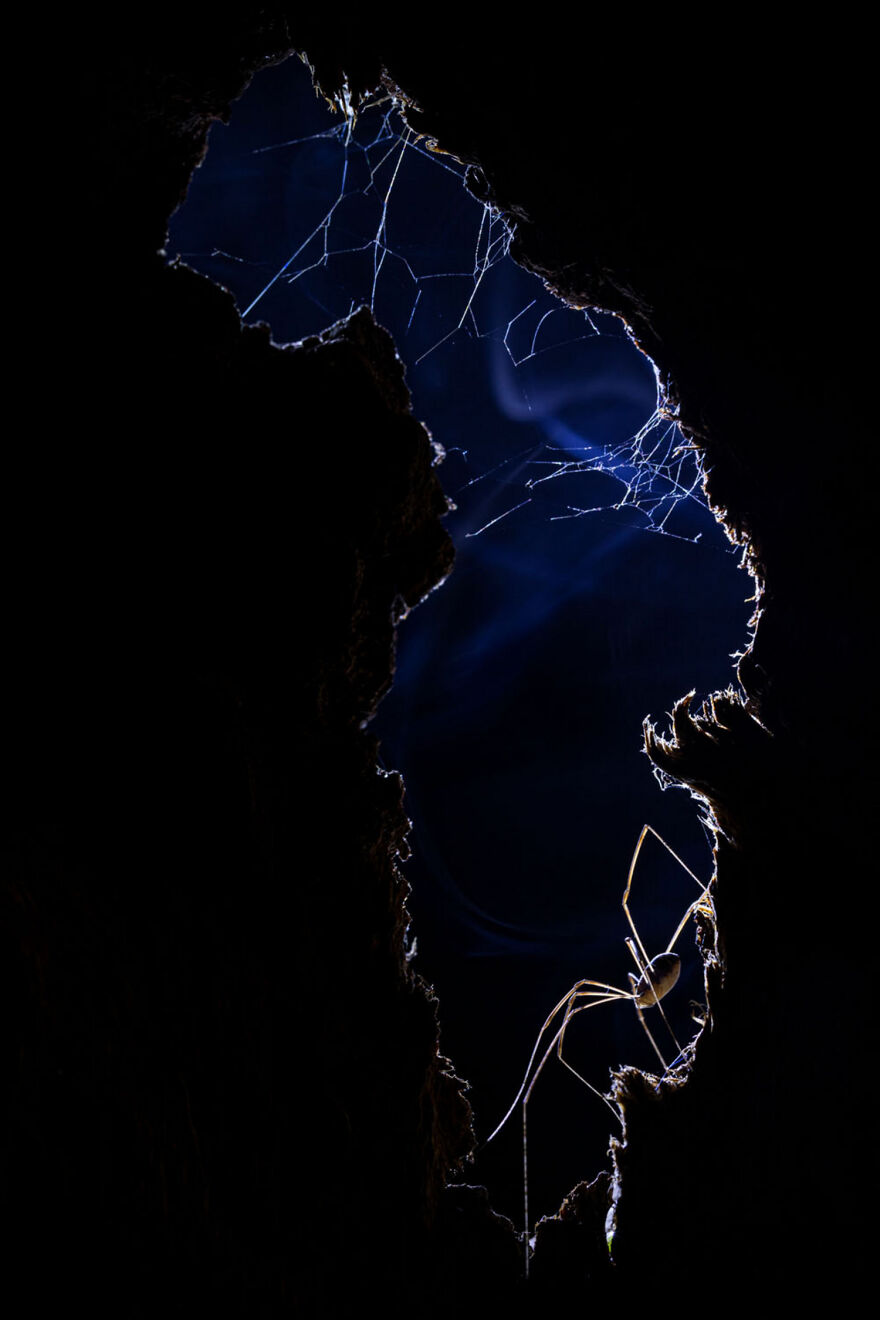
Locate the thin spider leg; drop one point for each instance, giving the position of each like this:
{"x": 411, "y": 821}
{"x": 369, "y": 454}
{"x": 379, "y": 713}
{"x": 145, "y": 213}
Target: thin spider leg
{"x": 601, "y": 985}
{"x": 603, "y": 993}
{"x": 641, "y": 1017}
{"x": 704, "y": 889}
{"x": 638, "y": 962}
{"x": 629, "y": 880}
{"x": 619, "y": 994}
{"x": 525, "y": 1080}
{"x": 645, "y": 974}
{"x": 665, "y": 1023}
{"x": 574, "y": 991}
{"x": 705, "y": 896}
{"x": 590, "y": 1086}
{"x": 569, "y": 1014}
{"x": 673, "y": 853}
{"x": 525, "y": 1110}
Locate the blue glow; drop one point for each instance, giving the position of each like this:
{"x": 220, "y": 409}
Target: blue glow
{"x": 521, "y": 686}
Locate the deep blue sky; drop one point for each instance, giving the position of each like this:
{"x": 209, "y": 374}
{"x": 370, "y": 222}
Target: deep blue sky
{"x": 523, "y": 682}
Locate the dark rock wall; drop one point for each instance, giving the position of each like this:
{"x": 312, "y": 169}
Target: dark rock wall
{"x": 224, "y": 1083}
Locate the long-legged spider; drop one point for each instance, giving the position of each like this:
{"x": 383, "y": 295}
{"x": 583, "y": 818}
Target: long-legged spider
{"x": 656, "y": 977}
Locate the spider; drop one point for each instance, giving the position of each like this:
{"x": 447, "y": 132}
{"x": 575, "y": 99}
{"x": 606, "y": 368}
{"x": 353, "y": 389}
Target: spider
{"x": 656, "y": 977}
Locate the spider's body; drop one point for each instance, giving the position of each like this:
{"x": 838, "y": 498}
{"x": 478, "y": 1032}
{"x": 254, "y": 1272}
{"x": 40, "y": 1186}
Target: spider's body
{"x": 656, "y": 978}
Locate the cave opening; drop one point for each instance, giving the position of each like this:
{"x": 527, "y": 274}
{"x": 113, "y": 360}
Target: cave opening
{"x": 591, "y": 589}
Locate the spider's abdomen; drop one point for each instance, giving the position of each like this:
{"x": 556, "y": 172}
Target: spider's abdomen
{"x": 657, "y": 979}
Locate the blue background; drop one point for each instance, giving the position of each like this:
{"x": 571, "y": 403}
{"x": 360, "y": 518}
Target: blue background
{"x": 522, "y": 683}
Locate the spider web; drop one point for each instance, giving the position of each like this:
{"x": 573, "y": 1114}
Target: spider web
{"x": 510, "y": 702}
{"x": 375, "y": 240}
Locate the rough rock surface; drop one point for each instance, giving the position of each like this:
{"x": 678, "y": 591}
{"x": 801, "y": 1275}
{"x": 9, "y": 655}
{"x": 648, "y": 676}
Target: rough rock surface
{"x": 225, "y": 1092}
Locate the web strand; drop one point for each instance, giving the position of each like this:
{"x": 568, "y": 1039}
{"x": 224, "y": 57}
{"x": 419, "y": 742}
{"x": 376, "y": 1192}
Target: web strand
{"x": 652, "y": 472}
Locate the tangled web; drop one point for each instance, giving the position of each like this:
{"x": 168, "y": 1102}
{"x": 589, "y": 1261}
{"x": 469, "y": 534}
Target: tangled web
{"x": 518, "y": 696}
{"x": 366, "y": 211}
